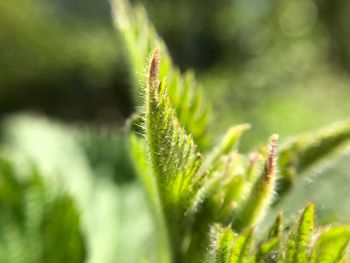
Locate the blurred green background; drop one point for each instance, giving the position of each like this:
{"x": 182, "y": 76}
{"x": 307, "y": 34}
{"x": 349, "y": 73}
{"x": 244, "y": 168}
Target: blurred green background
{"x": 65, "y": 94}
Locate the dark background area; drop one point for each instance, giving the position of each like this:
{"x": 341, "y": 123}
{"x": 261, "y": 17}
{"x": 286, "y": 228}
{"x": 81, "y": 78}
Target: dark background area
{"x": 64, "y": 58}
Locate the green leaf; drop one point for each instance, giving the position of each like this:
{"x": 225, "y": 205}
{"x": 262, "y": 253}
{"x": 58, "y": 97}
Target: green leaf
{"x": 190, "y": 194}
{"x": 268, "y": 249}
{"x": 225, "y": 188}
{"x": 227, "y": 143}
{"x": 174, "y": 160}
{"x": 261, "y": 193}
{"x": 139, "y": 152}
{"x": 191, "y": 107}
{"x": 331, "y": 245}
{"x": 303, "y": 152}
{"x": 299, "y": 240}
{"x": 277, "y": 227}
{"x": 242, "y": 247}
{"x": 221, "y": 241}
{"x": 36, "y": 222}
{"x": 174, "y": 156}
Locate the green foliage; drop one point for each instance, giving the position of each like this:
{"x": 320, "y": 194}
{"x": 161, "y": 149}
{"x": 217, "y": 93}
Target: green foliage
{"x": 207, "y": 204}
{"x": 175, "y": 160}
{"x": 240, "y": 252}
{"x": 298, "y": 243}
{"x": 269, "y": 246}
{"x": 89, "y": 164}
{"x": 228, "y": 142}
{"x": 212, "y": 200}
{"x": 221, "y": 244}
{"x": 231, "y": 189}
{"x": 302, "y": 152}
{"x": 261, "y": 192}
{"x": 191, "y": 107}
{"x": 331, "y": 244}
{"x": 36, "y": 225}
{"x": 285, "y": 246}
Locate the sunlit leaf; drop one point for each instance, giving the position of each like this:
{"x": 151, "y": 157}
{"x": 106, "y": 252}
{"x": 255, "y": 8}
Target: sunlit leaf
{"x": 191, "y": 107}
{"x": 268, "y": 248}
{"x": 299, "y": 241}
{"x": 304, "y": 152}
{"x": 221, "y": 241}
{"x": 242, "y": 247}
{"x": 261, "y": 193}
{"x": 331, "y": 245}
